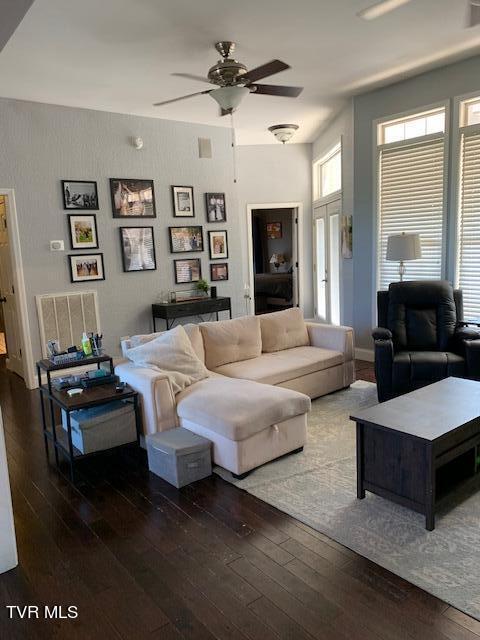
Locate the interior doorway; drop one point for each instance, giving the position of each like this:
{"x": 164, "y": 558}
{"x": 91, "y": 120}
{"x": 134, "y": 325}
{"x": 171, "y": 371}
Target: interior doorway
{"x": 11, "y": 346}
{"x": 273, "y": 257}
{"x": 327, "y": 260}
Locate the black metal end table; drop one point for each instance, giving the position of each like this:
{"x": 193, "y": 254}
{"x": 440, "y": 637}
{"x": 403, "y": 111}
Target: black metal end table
{"x": 90, "y": 397}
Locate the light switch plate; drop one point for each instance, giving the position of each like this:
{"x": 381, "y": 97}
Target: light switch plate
{"x": 57, "y": 245}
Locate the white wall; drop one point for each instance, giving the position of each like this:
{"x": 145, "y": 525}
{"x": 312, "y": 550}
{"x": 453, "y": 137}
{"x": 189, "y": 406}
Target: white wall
{"x": 341, "y": 128}
{"x": 276, "y": 174}
{"x": 8, "y": 546}
{"x": 41, "y": 144}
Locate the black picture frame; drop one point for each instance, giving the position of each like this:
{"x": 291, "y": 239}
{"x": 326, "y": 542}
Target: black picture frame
{"x": 73, "y": 243}
{"x": 212, "y": 211}
{"x": 126, "y": 259}
{"x": 218, "y": 265}
{"x": 87, "y": 278}
{"x": 176, "y": 264}
{"x": 176, "y": 211}
{"x": 68, "y": 196}
{"x": 172, "y": 230}
{"x": 224, "y": 254}
{"x": 133, "y": 185}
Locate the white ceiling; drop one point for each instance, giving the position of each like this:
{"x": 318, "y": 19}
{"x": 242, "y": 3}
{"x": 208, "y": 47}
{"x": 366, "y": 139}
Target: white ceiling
{"x": 118, "y": 55}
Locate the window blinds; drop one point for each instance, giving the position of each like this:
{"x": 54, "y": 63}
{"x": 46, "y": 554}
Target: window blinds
{"x": 468, "y": 249}
{"x": 411, "y": 199}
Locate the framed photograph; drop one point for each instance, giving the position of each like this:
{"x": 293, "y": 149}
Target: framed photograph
{"x": 218, "y": 244}
{"x": 80, "y": 194}
{"x": 216, "y": 209}
{"x": 186, "y": 239}
{"x": 138, "y": 248}
{"x": 183, "y": 206}
{"x": 86, "y": 266}
{"x": 274, "y": 230}
{"x": 83, "y": 231}
{"x": 132, "y": 198}
{"x": 187, "y": 270}
{"x": 219, "y": 271}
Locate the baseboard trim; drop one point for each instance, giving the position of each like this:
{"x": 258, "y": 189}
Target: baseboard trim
{"x": 365, "y": 354}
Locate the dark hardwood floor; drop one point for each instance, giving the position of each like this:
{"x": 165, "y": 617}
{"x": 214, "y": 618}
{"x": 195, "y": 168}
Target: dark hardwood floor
{"x": 142, "y": 560}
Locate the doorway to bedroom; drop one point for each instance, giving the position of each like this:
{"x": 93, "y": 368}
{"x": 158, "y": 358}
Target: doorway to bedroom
{"x": 274, "y": 258}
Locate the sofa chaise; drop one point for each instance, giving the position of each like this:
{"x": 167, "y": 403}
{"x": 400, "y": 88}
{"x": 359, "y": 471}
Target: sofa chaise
{"x": 263, "y": 372}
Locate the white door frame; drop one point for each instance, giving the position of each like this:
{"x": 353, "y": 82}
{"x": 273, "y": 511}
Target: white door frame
{"x": 298, "y": 206}
{"x": 20, "y": 291}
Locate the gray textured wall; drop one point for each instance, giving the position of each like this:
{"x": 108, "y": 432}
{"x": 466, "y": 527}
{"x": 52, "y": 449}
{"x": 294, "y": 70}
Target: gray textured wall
{"x": 41, "y": 144}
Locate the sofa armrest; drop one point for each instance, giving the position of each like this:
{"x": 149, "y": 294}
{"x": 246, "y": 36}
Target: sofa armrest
{"x": 384, "y": 369}
{"x": 330, "y": 336}
{"x": 156, "y": 396}
{"x": 380, "y": 333}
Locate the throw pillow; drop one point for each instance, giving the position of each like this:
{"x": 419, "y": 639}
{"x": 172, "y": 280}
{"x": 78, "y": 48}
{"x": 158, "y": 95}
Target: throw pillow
{"x": 172, "y": 354}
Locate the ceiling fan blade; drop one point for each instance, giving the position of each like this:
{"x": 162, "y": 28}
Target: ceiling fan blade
{"x": 268, "y": 69}
{"x": 473, "y": 14}
{"x": 191, "y": 76}
{"x": 276, "y": 90}
{"x": 190, "y": 95}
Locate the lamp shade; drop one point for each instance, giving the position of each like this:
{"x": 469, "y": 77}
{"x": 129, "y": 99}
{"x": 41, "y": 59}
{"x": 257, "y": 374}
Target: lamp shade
{"x": 404, "y": 246}
{"x": 277, "y": 258}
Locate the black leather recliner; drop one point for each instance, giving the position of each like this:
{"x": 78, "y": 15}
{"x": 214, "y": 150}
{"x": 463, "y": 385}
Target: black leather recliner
{"x": 419, "y": 340}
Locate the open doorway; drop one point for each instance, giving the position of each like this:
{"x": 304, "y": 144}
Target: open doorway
{"x": 273, "y": 258}
{"x": 10, "y": 319}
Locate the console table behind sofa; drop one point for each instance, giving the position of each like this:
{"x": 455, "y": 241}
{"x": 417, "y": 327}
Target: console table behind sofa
{"x": 171, "y": 311}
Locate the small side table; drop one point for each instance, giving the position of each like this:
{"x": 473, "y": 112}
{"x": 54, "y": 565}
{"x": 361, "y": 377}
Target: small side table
{"x": 91, "y": 397}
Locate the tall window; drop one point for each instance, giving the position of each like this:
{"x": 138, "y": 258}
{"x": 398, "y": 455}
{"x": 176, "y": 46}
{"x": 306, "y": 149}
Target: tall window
{"x": 468, "y": 231}
{"x": 411, "y": 179}
{"x": 327, "y": 173}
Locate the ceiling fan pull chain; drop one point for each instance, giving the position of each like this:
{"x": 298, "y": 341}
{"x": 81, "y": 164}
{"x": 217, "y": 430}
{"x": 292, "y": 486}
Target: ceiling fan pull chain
{"x": 234, "y": 152}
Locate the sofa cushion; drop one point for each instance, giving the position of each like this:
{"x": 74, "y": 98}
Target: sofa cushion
{"x": 237, "y": 409}
{"x": 231, "y": 340}
{"x": 283, "y": 330}
{"x": 419, "y": 368}
{"x": 192, "y": 331}
{"x": 172, "y": 354}
{"x": 421, "y": 315}
{"x": 281, "y": 366}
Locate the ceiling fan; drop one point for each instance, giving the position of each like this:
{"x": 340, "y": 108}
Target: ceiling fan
{"x": 235, "y": 81}
{"x": 385, "y": 6}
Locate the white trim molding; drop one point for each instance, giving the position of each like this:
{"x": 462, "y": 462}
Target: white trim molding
{"x": 20, "y": 290}
{"x": 298, "y": 250}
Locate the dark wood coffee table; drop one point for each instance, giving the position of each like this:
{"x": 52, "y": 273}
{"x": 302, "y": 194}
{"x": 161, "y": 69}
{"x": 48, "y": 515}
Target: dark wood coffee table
{"x": 402, "y": 443}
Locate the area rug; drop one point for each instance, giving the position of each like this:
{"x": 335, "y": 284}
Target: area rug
{"x": 318, "y": 487}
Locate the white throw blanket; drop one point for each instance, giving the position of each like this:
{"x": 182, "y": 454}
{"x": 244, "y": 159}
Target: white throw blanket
{"x": 171, "y": 354}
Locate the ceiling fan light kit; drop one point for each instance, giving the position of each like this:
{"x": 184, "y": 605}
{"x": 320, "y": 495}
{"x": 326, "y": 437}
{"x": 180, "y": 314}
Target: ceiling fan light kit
{"x": 235, "y": 81}
{"x": 229, "y": 98}
{"x": 283, "y": 132}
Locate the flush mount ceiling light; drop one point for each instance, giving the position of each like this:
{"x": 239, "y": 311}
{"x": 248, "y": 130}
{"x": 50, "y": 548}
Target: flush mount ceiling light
{"x": 283, "y": 132}
{"x": 381, "y": 8}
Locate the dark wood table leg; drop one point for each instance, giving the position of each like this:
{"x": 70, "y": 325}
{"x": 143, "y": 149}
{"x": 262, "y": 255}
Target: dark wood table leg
{"x": 430, "y": 490}
{"x": 360, "y": 460}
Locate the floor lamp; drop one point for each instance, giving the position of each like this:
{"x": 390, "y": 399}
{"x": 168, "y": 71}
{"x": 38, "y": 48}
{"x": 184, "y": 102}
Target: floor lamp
{"x": 402, "y": 247}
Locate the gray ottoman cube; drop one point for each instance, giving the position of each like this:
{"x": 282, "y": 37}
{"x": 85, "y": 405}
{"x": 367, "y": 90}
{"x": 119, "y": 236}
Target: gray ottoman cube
{"x": 179, "y": 456}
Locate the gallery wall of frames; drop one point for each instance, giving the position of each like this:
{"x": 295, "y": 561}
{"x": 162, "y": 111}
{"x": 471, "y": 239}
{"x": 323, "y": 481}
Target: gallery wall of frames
{"x": 133, "y": 202}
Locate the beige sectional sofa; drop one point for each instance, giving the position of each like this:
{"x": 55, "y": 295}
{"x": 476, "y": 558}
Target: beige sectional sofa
{"x": 263, "y": 372}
